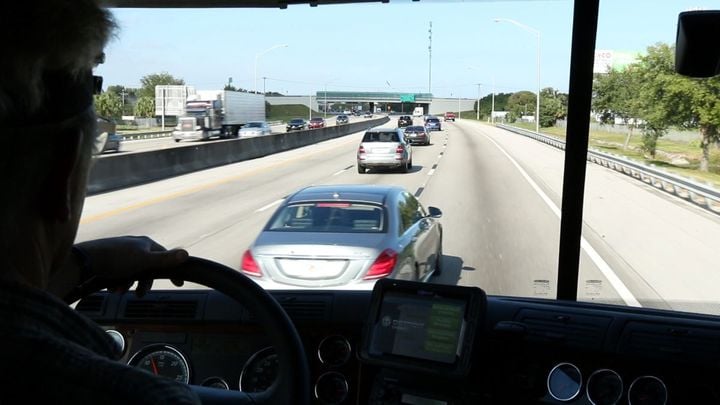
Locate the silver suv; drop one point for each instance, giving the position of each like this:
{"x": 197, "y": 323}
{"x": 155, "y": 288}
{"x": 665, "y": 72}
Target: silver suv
{"x": 384, "y": 148}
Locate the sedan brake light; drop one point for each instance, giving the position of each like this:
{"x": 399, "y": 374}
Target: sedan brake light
{"x": 249, "y": 265}
{"x": 383, "y": 265}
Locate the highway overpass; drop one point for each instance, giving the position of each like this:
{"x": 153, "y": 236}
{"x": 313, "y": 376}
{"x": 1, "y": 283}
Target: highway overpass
{"x": 396, "y": 101}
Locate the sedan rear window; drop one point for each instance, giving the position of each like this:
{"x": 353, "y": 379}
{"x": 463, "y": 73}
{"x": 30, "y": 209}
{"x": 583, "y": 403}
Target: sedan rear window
{"x": 296, "y": 121}
{"x": 415, "y": 129}
{"x": 381, "y": 137}
{"x": 330, "y": 216}
{"x": 433, "y": 120}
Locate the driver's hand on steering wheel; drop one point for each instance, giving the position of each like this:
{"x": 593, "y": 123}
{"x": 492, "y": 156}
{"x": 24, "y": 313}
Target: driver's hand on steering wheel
{"x": 122, "y": 258}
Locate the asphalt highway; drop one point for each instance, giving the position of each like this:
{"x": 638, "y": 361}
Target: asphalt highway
{"x": 500, "y": 196}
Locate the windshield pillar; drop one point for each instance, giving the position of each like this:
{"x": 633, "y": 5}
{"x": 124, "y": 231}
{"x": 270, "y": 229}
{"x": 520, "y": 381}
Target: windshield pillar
{"x": 584, "y": 32}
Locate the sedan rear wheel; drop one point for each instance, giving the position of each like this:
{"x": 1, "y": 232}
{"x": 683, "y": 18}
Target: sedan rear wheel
{"x": 361, "y": 169}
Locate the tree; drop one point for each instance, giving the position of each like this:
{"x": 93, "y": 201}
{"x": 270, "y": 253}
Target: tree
{"x": 615, "y": 96}
{"x": 519, "y": 103}
{"x": 657, "y": 107}
{"x": 230, "y": 87}
{"x": 551, "y": 107}
{"x": 108, "y": 104}
{"x": 157, "y": 79}
{"x": 145, "y": 107}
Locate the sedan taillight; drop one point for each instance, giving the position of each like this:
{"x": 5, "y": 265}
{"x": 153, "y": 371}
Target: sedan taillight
{"x": 249, "y": 265}
{"x": 383, "y": 265}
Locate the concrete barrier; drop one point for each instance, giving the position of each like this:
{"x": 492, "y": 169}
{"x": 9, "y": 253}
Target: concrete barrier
{"x": 129, "y": 169}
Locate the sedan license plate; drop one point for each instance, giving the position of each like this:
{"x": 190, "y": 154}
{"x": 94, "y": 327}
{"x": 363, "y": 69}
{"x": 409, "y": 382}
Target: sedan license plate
{"x": 382, "y": 150}
{"x": 311, "y": 269}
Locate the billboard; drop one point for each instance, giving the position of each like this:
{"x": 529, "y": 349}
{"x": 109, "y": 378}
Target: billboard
{"x": 609, "y": 59}
{"x": 174, "y": 97}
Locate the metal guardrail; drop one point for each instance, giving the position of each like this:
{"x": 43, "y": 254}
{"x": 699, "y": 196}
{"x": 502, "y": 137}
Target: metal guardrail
{"x": 689, "y": 190}
{"x": 147, "y": 135}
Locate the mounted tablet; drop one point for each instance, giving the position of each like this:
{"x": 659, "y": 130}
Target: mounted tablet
{"x": 422, "y": 327}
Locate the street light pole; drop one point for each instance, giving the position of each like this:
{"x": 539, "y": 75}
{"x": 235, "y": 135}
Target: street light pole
{"x": 492, "y": 108}
{"x": 257, "y": 56}
{"x": 477, "y": 113}
{"x": 264, "y": 78}
{"x": 537, "y": 34}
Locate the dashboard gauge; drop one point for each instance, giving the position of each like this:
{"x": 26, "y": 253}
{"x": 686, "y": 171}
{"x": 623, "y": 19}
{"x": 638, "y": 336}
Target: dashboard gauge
{"x": 119, "y": 340}
{"x": 215, "y": 382}
{"x": 260, "y": 371}
{"x": 331, "y": 388}
{"x": 647, "y": 390}
{"x": 564, "y": 382}
{"x": 164, "y": 361}
{"x": 334, "y": 351}
{"x": 604, "y": 387}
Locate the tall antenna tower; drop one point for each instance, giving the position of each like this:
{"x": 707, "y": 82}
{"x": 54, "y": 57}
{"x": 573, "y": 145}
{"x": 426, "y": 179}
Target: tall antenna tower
{"x": 430, "y": 58}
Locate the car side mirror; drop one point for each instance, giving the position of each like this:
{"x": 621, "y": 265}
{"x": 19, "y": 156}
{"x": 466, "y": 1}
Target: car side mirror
{"x": 696, "y": 53}
{"x": 434, "y": 212}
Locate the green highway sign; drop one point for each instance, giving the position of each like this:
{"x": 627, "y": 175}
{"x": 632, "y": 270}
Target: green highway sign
{"x": 407, "y": 98}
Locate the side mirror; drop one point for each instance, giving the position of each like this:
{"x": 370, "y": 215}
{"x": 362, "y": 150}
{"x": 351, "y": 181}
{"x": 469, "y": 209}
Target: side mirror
{"x": 434, "y": 212}
{"x": 696, "y": 52}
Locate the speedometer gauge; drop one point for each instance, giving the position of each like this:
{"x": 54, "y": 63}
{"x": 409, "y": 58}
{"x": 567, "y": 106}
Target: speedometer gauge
{"x": 260, "y": 371}
{"x": 604, "y": 387}
{"x": 164, "y": 361}
{"x": 564, "y": 382}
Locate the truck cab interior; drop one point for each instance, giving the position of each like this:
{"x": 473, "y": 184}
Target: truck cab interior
{"x": 425, "y": 343}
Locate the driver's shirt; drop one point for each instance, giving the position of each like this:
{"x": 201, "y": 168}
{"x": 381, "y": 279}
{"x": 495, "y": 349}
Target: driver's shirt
{"x": 51, "y": 354}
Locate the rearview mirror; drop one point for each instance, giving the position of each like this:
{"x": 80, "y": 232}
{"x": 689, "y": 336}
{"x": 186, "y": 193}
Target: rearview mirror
{"x": 697, "y": 53}
{"x": 434, "y": 212}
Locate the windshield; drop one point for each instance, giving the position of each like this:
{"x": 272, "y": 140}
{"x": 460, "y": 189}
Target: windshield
{"x": 651, "y": 229}
{"x": 341, "y": 217}
{"x": 254, "y": 125}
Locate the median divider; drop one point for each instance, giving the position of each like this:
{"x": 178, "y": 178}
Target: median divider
{"x": 133, "y": 168}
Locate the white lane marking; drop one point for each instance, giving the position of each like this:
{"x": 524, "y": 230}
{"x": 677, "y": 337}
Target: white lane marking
{"x": 272, "y": 204}
{"x": 339, "y": 172}
{"x": 601, "y": 264}
{"x": 440, "y": 156}
{"x": 431, "y": 172}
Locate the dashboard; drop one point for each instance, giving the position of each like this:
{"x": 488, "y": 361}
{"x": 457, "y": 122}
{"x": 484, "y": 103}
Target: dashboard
{"x": 525, "y": 351}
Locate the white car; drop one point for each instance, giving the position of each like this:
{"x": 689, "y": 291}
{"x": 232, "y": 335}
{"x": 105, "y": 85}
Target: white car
{"x": 255, "y": 128}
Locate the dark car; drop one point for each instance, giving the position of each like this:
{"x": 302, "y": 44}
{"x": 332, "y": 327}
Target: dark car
{"x": 341, "y": 119}
{"x": 405, "y": 121}
{"x": 317, "y": 122}
{"x": 296, "y": 124}
{"x": 107, "y": 140}
{"x": 433, "y": 124}
{"x": 417, "y": 135}
{"x": 368, "y": 114}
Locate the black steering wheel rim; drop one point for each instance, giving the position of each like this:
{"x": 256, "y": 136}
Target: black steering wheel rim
{"x": 293, "y": 381}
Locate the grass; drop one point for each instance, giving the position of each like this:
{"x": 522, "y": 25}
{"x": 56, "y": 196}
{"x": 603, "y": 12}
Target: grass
{"x": 287, "y": 112}
{"x": 613, "y": 143}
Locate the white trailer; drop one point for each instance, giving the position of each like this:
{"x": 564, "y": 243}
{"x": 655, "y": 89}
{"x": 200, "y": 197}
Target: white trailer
{"x": 221, "y": 113}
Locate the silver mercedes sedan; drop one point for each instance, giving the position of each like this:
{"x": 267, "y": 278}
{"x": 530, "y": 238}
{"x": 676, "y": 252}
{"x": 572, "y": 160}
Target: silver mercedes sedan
{"x": 346, "y": 237}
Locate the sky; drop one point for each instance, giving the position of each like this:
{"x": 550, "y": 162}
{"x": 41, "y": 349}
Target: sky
{"x": 377, "y": 47}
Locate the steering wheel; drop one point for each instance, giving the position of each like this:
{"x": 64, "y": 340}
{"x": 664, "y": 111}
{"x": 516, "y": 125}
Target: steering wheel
{"x": 292, "y": 384}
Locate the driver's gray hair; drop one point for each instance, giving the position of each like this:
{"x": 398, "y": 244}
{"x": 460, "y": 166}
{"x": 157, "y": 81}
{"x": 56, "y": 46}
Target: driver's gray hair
{"x": 41, "y": 39}
{"x": 40, "y": 36}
